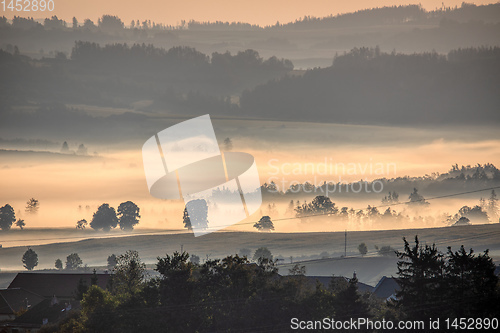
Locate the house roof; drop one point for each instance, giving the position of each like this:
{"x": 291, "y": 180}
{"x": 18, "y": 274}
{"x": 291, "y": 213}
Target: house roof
{"x": 61, "y": 285}
{"x": 15, "y": 299}
{"x": 386, "y": 287}
{"x": 46, "y": 310}
{"x": 325, "y": 281}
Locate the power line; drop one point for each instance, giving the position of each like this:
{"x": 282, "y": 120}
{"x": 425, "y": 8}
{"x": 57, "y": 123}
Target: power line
{"x": 252, "y": 222}
{"x": 379, "y": 206}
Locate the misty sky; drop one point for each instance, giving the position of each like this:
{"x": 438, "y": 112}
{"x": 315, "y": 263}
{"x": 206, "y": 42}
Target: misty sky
{"x": 261, "y": 12}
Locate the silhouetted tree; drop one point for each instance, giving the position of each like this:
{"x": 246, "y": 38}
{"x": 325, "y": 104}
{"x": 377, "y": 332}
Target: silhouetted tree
{"x": 104, "y": 219}
{"x": 320, "y": 205}
{"x": 129, "y": 273}
{"x": 245, "y": 252}
{"x": 200, "y": 215}
{"x": 65, "y": 148}
{"x": 493, "y": 205}
{"x": 112, "y": 261}
{"x": 420, "y": 277}
{"x": 297, "y": 270}
{"x": 30, "y": 259}
{"x": 349, "y": 304}
{"x": 262, "y": 253}
{"x": 264, "y": 224}
{"x": 110, "y": 23}
{"x": 472, "y": 284}
{"x": 32, "y": 206}
{"x": 228, "y": 144}
{"x": 128, "y": 213}
{"x": 58, "y": 264}
{"x": 416, "y": 198}
{"x": 362, "y": 249}
{"x": 82, "y": 224}
{"x": 386, "y": 251}
{"x": 21, "y": 224}
{"x": 195, "y": 259}
{"x": 73, "y": 261}
{"x": 462, "y": 221}
{"x": 82, "y": 150}
{"x": 81, "y": 289}
{"x": 7, "y": 217}
{"x": 186, "y": 220}
{"x": 95, "y": 303}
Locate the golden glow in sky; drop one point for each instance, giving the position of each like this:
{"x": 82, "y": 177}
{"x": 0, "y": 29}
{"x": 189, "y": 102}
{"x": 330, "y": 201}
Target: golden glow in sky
{"x": 172, "y": 12}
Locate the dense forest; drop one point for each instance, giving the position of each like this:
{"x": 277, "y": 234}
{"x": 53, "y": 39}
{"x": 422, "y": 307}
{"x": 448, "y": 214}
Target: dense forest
{"x": 118, "y": 74}
{"x": 369, "y": 86}
{"x": 362, "y": 86}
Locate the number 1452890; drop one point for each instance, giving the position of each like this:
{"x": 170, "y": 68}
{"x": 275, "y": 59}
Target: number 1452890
{"x": 27, "y": 5}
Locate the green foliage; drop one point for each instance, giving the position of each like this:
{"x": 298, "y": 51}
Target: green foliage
{"x": 128, "y": 274}
{"x": 99, "y": 310}
{"x": 105, "y": 218}
{"x": 30, "y": 259}
{"x": 7, "y": 217}
{"x": 225, "y": 294}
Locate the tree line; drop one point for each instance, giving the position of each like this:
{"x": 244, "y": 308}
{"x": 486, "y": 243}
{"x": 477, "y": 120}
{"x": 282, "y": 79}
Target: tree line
{"x": 30, "y": 261}
{"x": 141, "y": 71}
{"x": 233, "y": 293}
{"x": 402, "y": 14}
{"x": 486, "y": 211}
{"x": 368, "y": 86}
{"x": 106, "y": 217}
{"x": 455, "y": 180}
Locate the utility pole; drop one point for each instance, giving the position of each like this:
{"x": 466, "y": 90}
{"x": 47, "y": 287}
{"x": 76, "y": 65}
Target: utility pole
{"x": 345, "y": 244}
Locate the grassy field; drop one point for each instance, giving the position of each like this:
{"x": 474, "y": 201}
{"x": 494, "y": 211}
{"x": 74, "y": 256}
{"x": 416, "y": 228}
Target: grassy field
{"x": 307, "y": 248}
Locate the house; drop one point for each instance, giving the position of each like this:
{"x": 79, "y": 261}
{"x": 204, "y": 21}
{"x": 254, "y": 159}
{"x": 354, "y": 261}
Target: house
{"x": 61, "y": 285}
{"x": 326, "y": 280}
{"x": 14, "y": 300}
{"x": 386, "y": 288}
{"x": 47, "y": 296}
